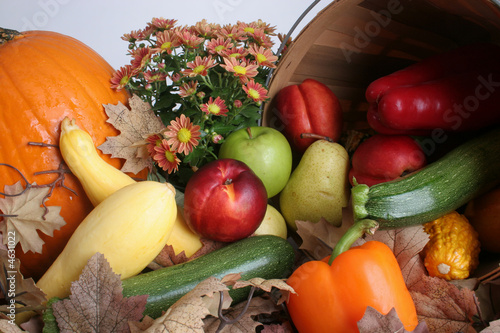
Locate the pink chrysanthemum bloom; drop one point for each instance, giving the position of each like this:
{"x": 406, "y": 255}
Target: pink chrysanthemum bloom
{"x": 217, "y": 138}
{"x": 236, "y": 52}
{"x": 263, "y": 56}
{"x": 262, "y": 39}
{"x": 188, "y": 89}
{"x": 216, "y": 107}
{"x": 255, "y": 91}
{"x": 240, "y": 69}
{"x": 166, "y": 158}
{"x": 153, "y": 141}
{"x": 188, "y": 39}
{"x": 176, "y": 77}
{"x": 162, "y": 23}
{"x": 199, "y": 66}
{"x": 205, "y": 29}
{"x": 122, "y": 77}
{"x": 270, "y": 30}
{"x": 141, "y": 57}
{"x": 219, "y": 46}
{"x": 231, "y": 31}
{"x": 237, "y": 103}
{"x": 154, "y": 76}
{"x": 182, "y": 135}
{"x": 248, "y": 29}
{"x": 166, "y": 41}
{"x": 133, "y": 36}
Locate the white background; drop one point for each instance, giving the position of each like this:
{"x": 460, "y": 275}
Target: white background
{"x": 101, "y": 23}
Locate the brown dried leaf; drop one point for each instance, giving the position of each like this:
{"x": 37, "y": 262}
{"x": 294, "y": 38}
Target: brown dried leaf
{"x": 27, "y": 216}
{"x": 187, "y": 314}
{"x": 375, "y": 322}
{"x": 406, "y": 243}
{"x": 7, "y": 326}
{"x": 443, "y": 306}
{"x": 135, "y": 125}
{"x": 24, "y": 292}
{"x": 167, "y": 257}
{"x": 96, "y": 303}
{"x": 245, "y": 324}
{"x": 267, "y": 286}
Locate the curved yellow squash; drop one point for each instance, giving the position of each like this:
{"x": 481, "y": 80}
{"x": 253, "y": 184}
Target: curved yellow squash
{"x": 130, "y": 227}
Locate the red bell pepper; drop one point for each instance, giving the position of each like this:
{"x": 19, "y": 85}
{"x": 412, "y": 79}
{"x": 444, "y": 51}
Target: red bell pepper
{"x": 381, "y": 158}
{"x": 454, "y": 91}
{"x": 332, "y": 295}
{"x": 308, "y": 108}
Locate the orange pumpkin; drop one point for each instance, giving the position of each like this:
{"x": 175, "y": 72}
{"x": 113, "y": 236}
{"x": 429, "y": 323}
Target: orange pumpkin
{"x": 44, "y": 77}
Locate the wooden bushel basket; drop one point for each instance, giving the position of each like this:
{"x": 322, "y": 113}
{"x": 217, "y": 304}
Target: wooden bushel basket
{"x": 350, "y": 43}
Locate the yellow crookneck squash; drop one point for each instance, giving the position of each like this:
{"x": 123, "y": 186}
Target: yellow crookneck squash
{"x": 45, "y": 77}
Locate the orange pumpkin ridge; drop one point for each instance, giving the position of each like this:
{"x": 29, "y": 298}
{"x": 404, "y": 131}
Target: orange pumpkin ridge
{"x": 44, "y": 77}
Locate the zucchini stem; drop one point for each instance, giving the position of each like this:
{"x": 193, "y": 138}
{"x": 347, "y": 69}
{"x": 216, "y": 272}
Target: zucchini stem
{"x": 359, "y": 194}
{"x": 358, "y": 229}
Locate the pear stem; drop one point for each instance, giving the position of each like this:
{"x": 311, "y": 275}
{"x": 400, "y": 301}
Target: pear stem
{"x": 315, "y": 136}
{"x": 358, "y": 229}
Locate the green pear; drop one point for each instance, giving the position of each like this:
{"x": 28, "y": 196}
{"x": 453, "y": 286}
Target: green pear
{"x": 318, "y": 187}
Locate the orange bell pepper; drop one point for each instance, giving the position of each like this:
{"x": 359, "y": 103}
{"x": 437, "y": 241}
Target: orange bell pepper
{"x": 333, "y": 294}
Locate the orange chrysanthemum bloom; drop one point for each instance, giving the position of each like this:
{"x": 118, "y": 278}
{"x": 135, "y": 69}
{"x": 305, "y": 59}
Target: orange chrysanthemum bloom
{"x": 141, "y": 57}
{"x": 162, "y": 23}
{"x": 166, "y": 41}
{"x": 255, "y": 91}
{"x": 182, "y": 135}
{"x": 219, "y": 46}
{"x": 199, "y": 66}
{"x": 263, "y": 56}
{"x": 155, "y": 76}
{"x": 236, "y": 52}
{"x": 216, "y": 107}
{"x": 122, "y": 77}
{"x": 189, "y": 39}
{"x": 166, "y": 158}
{"x": 188, "y": 89}
{"x": 153, "y": 141}
{"x": 241, "y": 69}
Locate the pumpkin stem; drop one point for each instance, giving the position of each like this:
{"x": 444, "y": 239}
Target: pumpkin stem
{"x": 7, "y": 35}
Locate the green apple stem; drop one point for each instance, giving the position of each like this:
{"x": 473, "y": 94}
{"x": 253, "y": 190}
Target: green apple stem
{"x": 249, "y": 131}
{"x": 315, "y": 136}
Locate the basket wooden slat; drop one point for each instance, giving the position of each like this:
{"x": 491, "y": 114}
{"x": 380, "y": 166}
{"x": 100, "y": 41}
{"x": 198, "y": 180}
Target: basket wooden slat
{"x": 352, "y": 42}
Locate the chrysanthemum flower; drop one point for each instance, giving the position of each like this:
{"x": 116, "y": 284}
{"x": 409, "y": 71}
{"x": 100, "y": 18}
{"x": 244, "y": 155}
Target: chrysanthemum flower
{"x": 133, "y": 36}
{"x": 162, "y": 23}
{"x": 268, "y": 29}
{"x": 154, "y": 76}
{"x": 219, "y": 46}
{"x": 241, "y": 69}
{"x": 231, "y": 31}
{"x": 260, "y": 38}
{"x": 263, "y": 56}
{"x": 141, "y": 57}
{"x": 166, "y": 158}
{"x": 152, "y": 142}
{"x": 122, "y": 77}
{"x": 189, "y": 39}
{"x": 166, "y": 41}
{"x": 236, "y": 52}
{"x": 216, "y": 107}
{"x": 255, "y": 91}
{"x": 205, "y": 29}
{"x": 182, "y": 135}
{"x": 247, "y": 28}
{"x": 199, "y": 66}
{"x": 188, "y": 89}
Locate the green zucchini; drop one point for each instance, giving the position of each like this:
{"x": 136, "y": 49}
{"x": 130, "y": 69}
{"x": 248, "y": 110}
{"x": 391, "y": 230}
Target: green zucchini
{"x": 437, "y": 189}
{"x": 266, "y": 256}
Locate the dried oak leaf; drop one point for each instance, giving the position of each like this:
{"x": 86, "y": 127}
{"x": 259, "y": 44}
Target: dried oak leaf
{"x": 24, "y": 292}
{"x": 443, "y": 306}
{"x": 187, "y": 314}
{"x": 246, "y": 323}
{"x": 96, "y": 303}
{"x": 135, "y": 125}
{"x": 27, "y": 215}
{"x": 267, "y": 286}
{"x": 375, "y": 322}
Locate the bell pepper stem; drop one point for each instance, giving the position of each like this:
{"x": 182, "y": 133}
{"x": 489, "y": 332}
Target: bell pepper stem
{"x": 358, "y": 229}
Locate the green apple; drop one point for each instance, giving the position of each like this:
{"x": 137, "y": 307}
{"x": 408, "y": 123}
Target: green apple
{"x": 265, "y": 150}
{"x": 273, "y": 224}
